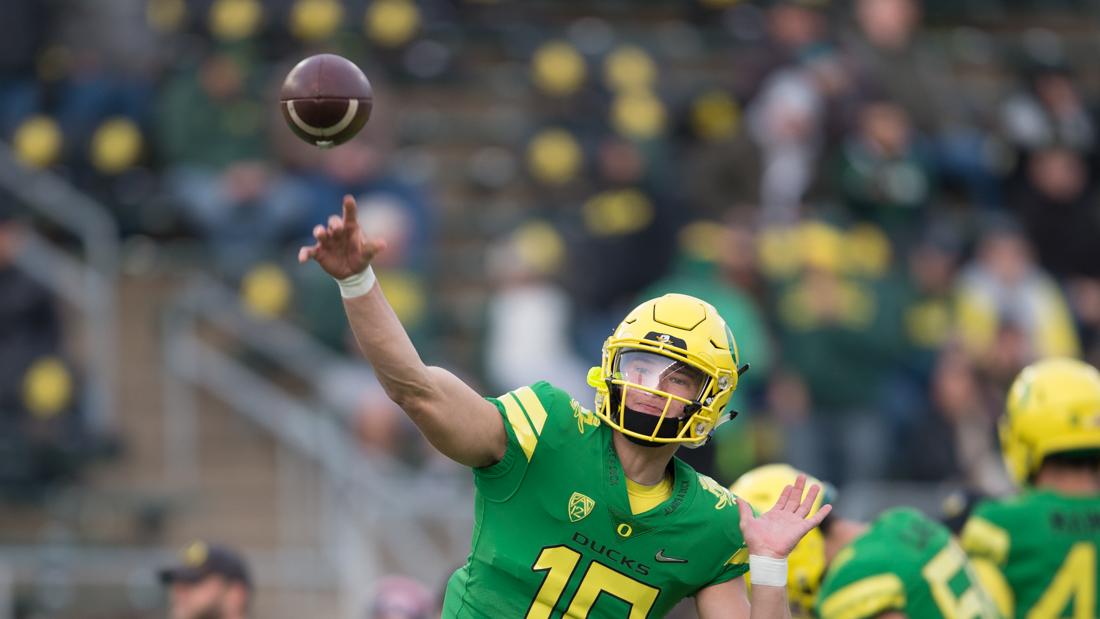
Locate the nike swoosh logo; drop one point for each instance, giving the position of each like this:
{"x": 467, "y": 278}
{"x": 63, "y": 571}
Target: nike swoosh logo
{"x": 661, "y": 557}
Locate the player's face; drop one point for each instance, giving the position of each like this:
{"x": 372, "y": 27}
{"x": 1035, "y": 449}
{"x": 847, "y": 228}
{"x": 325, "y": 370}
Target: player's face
{"x": 661, "y": 374}
{"x": 203, "y": 599}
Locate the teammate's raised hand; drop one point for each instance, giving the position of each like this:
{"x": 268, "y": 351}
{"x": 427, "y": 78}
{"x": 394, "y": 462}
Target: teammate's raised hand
{"x": 776, "y": 532}
{"x": 342, "y": 249}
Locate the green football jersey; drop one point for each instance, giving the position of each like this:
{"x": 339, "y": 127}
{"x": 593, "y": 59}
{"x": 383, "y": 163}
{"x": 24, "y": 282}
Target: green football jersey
{"x": 903, "y": 562}
{"x": 1044, "y": 545}
{"x": 554, "y": 535}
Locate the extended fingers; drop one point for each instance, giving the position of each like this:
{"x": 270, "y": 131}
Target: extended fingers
{"x": 795, "y": 498}
{"x": 335, "y": 224}
{"x": 320, "y": 233}
{"x": 819, "y": 516}
{"x": 305, "y": 253}
{"x": 808, "y": 502}
{"x": 374, "y": 246}
{"x": 784, "y": 498}
{"x": 351, "y": 215}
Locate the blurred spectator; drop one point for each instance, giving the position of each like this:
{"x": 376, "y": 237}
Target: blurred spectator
{"x": 212, "y": 115}
{"x": 245, "y": 213}
{"x": 1011, "y": 311}
{"x": 970, "y": 456}
{"x": 795, "y": 30}
{"x": 624, "y": 238}
{"x": 785, "y": 120}
{"x": 209, "y": 582}
{"x": 529, "y": 310}
{"x": 104, "y": 115}
{"x": 890, "y": 57}
{"x": 23, "y": 35}
{"x": 1049, "y": 110}
{"x": 1057, "y": 203}
{"x": 926, "y": 323}
{"x": 381, "y": 427}
{"x": 399, "y": 597}
{"x": 1057, "y": 206}
{"x": 838, "y": 340}
{"x": 885, "y": 178}
{"x": 928, "y": 302}
{"x": 213, "y": 138}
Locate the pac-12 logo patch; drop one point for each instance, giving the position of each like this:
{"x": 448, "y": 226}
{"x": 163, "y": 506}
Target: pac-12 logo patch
{"x": 579, "y": 507}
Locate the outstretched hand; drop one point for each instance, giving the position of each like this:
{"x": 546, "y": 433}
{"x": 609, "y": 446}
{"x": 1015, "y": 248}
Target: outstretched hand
{"x": 342, "y": 249}
{"x": 776, "y": 532}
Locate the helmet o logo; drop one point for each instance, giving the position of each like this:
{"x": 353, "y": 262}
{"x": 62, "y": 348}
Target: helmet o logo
{"x": 624, "y": 530}
{"x": 663, "y": 338}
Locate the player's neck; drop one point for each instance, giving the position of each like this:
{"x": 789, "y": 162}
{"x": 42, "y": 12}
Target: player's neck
{"x": 1068, "y": 481}
{"x": 841, "y": 533}
{"x": 642, "y": 465}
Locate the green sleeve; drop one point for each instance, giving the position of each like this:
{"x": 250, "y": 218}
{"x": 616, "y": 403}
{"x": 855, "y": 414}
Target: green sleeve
{"x": 859, "y": 587}
{"x": 525, "y": 412}
{"x": 738, "y": 563}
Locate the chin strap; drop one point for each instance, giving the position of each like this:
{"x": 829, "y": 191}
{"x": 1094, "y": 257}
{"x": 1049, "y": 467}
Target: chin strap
{"x": 645, "y": 424}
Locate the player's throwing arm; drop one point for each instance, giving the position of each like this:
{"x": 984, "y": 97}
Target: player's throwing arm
{"x": 454, "y": 418}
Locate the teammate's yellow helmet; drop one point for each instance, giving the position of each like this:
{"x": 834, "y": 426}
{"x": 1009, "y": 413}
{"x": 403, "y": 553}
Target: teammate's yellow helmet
{"x": 761, "y": 487}
{"x": 1053, "y": 407}
{"x": 671, "y": 354}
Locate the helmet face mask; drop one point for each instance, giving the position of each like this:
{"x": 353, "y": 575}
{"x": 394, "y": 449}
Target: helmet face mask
{"x": 667, "y": 373}
{"x": 655, "y": 395}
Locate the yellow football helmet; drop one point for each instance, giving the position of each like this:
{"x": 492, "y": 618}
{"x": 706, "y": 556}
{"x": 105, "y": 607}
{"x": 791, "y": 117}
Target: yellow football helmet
{"x": 667, "y": 372}
{"x": 1053, "y": 407}
{"x": 761, "y": 487}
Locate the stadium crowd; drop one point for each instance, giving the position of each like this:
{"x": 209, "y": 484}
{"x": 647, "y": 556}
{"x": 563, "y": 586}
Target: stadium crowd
{"x": 894, "y": 205}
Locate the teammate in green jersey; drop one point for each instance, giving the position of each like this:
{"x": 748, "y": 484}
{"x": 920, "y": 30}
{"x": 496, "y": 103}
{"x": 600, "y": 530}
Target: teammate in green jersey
{"x": 901, "y": 565}
{"x": 579, "y": 513}
{"x": 1038, "y": 549}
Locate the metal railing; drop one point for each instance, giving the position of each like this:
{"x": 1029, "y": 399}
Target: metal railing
{"x": 89, "y": 283}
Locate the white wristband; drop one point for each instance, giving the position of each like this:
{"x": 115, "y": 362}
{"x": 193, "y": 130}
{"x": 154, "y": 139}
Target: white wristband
{"x": 768, "y": 571}
{"x": 357, "y": 285}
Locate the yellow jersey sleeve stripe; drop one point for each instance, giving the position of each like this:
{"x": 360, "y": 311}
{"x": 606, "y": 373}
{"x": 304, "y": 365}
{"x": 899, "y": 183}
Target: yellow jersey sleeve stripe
{"x": 740, "y": 557}
{"x": 982, "y": 538}
{"x": 994, "y": 583}
{"x": 865, "y": 598}
{"x": 531, "y": 404}
{"x": 520, "y": 425}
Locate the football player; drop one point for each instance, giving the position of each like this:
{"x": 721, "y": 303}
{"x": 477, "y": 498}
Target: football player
{"x": 901, "y": 565}
{"x": 587, "y": 513}
{"x": 1038, "y": 549}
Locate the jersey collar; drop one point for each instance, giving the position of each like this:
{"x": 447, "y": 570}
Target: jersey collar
{"x": 683, "y": 491}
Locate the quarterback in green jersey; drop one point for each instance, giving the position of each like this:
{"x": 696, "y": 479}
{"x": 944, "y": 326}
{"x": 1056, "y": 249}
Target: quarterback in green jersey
{"x": 584, "y": 513}
{"x": 902, "y": 564}
{"x": 1038, "y": 549}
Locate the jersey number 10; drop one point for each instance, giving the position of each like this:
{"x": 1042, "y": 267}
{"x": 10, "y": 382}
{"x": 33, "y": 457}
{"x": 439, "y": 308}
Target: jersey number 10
{"x": 560, "y": 564}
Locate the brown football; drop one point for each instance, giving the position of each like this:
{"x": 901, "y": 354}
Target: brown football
{"x": 326, "y": 100}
